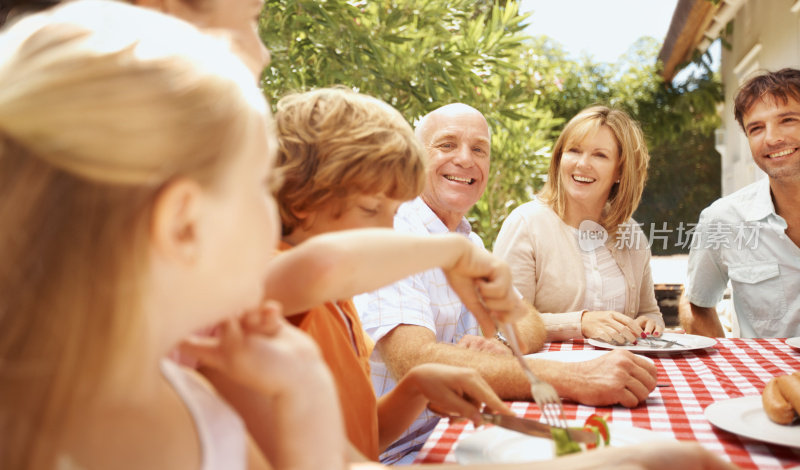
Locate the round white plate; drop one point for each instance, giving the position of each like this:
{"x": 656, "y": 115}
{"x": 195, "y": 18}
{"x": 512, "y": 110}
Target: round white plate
{"x": 794, "y": 342}
{"x": 578, "y": 355}
{"x": 745, "y": 416}
{"x": 493, "y": 444}
{"x": 688, "y": 342}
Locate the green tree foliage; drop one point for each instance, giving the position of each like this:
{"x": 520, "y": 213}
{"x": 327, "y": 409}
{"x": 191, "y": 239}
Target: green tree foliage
{"x": 417, "y": 56}
{"x": 420, "y": 54}
{"x": 685, "y": 168}
{"x": 679, "y": 123}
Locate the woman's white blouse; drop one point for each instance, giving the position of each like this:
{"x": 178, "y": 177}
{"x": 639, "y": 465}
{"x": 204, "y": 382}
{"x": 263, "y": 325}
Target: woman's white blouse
{"x": 605, "y": 283}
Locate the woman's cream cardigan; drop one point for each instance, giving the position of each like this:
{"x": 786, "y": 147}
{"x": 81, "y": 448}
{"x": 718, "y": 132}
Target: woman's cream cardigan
{"x": 548, "y": 270}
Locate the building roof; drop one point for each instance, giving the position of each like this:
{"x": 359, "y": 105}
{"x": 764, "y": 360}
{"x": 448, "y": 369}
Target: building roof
{"x": 690, "y": 22}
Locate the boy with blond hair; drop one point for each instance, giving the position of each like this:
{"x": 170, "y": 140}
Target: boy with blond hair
{"x": 348, "y": 162}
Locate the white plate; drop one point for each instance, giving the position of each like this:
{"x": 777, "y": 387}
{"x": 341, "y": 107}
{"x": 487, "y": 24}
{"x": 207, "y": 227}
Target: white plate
{"x": 689, "y": 342}
{"x": 794, "y": 342}
{"x": 745, "y": 416}
{"x": 578, "y": 355}
{"x": 493, "y": 444}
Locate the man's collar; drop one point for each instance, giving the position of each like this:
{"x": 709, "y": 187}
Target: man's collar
{"x": 761, "y": 206}
{"x": 432, "y": 221}
{"x": 464, "y": 227}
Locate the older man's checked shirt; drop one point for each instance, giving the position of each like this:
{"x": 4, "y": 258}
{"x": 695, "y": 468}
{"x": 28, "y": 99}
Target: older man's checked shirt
{"x": 424, "y": 299}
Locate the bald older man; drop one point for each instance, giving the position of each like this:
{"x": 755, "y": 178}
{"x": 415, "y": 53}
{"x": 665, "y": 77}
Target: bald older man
{"x": 420, "y": 319}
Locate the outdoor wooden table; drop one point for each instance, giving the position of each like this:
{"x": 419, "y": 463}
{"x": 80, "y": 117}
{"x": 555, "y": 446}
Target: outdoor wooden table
{"x": 695, "y": 379}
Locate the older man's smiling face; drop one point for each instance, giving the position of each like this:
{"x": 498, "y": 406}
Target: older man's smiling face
{"x": 458, "y": 161}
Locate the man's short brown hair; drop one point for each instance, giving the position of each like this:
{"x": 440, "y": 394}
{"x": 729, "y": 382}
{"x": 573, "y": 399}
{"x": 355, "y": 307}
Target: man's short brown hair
{"x": 781, "y": 85}
{"x": 335, "y": 143}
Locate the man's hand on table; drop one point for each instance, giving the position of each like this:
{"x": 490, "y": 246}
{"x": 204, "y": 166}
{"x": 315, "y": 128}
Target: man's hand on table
{"x": 619, "y": 377}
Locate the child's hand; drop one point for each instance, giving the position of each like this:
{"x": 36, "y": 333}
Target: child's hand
{"x": 456, "y": 391}
{"x": 483, "y": 282}
{"x": 273, "y": 375}
{"x": 260, "y": 350}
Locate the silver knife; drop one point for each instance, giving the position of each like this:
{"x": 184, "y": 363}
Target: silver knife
{"x": 536, "y": 428}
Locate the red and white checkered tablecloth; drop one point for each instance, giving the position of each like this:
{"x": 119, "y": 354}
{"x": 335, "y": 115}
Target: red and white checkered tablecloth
{"x": 733, "y": 368}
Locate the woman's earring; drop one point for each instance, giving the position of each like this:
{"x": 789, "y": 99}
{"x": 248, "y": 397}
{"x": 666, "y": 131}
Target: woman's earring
{"x": 617, "y": 181}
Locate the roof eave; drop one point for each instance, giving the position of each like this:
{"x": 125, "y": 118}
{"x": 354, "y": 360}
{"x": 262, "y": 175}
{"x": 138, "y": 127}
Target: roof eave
{"x": 689, "y": 24}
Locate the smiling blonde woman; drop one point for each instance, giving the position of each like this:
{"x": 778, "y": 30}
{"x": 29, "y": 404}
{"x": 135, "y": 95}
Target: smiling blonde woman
{"x": 575, "y": 252}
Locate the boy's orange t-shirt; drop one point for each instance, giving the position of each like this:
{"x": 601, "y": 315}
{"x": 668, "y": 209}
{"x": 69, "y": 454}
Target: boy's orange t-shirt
{"x": 347, "y": 355}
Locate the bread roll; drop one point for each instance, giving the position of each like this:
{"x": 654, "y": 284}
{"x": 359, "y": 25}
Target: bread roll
{"x": 781, "y": 398}
{"x": 789, "y": 386}
{"x": 777, "y": 408}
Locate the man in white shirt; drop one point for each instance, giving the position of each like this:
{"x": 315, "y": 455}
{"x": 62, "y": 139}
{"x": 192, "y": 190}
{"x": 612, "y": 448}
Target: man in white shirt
{"x": 419, "y": 319}
{"x": 752, "y": 237}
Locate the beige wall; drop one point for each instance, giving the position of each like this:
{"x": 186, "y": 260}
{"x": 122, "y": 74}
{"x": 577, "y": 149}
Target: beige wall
{"x": 766, "y": 36}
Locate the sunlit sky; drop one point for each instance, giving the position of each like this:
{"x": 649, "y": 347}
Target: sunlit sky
{"x": 604, "y": 29}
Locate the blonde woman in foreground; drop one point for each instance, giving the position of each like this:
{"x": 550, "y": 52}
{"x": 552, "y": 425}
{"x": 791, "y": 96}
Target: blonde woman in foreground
{"x": 135, "y": 155}
{"x": 135, "y": 210}
{"x": 575, "y": 252}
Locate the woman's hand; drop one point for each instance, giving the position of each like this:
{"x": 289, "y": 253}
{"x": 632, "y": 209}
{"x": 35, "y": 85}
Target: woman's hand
{"x": 611, "y": 327}
{"x": 649, "y": 326}
{"x": 456, "y": 391}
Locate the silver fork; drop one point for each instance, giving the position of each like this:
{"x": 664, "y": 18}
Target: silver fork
{"x": 664, "y": 343}
{"x": 544, "y": 394}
